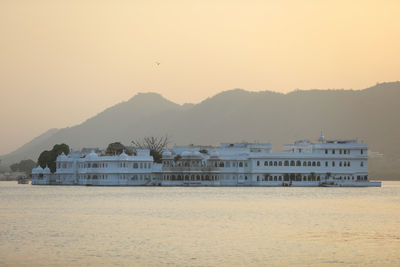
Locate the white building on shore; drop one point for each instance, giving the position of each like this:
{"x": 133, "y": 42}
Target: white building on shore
{"x": 324, "y": 163}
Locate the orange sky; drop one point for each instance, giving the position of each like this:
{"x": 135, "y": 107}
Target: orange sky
{"x": 64, "y": 61}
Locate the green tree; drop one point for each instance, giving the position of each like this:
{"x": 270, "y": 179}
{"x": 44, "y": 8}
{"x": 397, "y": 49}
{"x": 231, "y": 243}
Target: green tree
{"x": 23, "y": 166}
{"x": 117, "y": 148}
{"x": 49, "y": 157}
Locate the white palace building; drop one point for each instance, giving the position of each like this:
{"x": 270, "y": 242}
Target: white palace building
{"x": 324, "y": 163}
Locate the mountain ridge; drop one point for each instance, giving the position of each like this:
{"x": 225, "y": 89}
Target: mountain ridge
{"x": 240, "y": 115}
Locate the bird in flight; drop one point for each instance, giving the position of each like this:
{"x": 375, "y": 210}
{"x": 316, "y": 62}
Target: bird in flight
{"x": 158, "y": 63}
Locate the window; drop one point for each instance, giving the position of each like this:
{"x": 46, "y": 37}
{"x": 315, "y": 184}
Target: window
{"x": 362, "y": 151}
{"x": 275, "y": 163}
{"x": 258, "y": 163}
{"x": 313, "y": 163}
{"x": 309, "y": 164}
{"x": 333, "y": 164}
{"x": 292, "y": 163}
{"x": 326, "y": 151}
{"x": 265, "y": 163}
{"x": 362, "y": 164}
{"x": 240, "y": 164}
{"x": 340, "y": 164}
{"x": 318, "y": 163}
{"x": 340, "y": 151}
{"x": 298, "y": 163}
{"x": 280, "y": 163}
{"x": 271, "y": 163}
{"x": 304, "y": 163}
{"x": 135, "y": 165}
{"x": 333, "y": 151}
{"x": 286, "y": 163}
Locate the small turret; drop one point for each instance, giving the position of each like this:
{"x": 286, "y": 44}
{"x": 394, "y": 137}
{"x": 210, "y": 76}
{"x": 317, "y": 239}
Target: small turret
{"x": 321, "y": 138}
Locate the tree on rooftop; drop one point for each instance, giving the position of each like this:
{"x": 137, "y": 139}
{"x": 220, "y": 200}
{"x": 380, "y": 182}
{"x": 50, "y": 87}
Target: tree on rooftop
{"x": 117, "y": 148}
{"x": 48, "y": 157}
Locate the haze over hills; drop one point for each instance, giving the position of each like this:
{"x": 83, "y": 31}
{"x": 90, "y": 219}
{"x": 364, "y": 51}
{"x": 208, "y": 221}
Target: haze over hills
{"x": 371, "y": 115}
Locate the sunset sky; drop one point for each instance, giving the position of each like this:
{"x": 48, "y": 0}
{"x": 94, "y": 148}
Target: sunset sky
{"x": 62, "y": 62}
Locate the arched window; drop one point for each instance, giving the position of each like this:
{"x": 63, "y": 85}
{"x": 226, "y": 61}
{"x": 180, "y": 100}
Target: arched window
{"x": 271, "y": 163}
{"x": 304, "y": 163}
{"x": 292, "y": 163}
{"x": 275, "y": 163}
{"x": 265, "y": 163}
{"x": 240, "y": 164}
{"x": 318, "y": 163}
{"x": 298, "y": 163}
{"x": 286, "y": 163}
{"x": 280, "y": 163}
{"x": 313, "y": 163}
{"x": 309, "y": 163}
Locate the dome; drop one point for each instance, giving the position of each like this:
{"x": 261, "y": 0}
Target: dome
{"x": 92, "y": 155}
{"x": 62, "y": 156}
{"x": 123, "y": 155}
{"x": 166, "y": 153}
{"x": 38, "y": 169}
{"x": 46, "y": 170}
{"x": 197, "y": 153}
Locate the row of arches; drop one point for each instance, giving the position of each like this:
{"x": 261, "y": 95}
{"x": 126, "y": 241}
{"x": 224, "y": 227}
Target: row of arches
{"x": 190, "y": 177}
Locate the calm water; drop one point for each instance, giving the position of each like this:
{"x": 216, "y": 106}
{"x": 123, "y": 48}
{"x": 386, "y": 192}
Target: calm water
{"x": 126, "y": 226}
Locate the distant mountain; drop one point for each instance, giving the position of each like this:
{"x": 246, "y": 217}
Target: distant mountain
{"x": 371, "y": 115}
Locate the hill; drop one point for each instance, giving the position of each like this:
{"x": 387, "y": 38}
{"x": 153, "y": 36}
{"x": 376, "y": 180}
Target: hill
{"x": 371, "y": 115}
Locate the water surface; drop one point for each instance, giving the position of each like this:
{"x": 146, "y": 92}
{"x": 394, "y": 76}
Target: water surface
{"x": 225, "y": 226}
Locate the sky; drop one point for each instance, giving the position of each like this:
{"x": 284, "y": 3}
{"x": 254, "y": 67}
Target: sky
{"x": 62, "y": 62}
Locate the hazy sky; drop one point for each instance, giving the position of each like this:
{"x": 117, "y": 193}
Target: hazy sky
{"x": 64, "y": 61}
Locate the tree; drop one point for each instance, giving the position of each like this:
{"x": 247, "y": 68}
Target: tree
{"x": 48, "y": 157}
{"x": 203, "y": 151}
{"x": 155, "y": 144}
{"x": 23, "y": 166}
{"x": 117, "y": 148}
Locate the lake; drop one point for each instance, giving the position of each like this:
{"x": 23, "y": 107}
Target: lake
{"x": 199, "y": 226}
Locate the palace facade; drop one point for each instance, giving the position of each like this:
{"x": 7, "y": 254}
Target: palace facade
{"x": 323, "y": 163}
